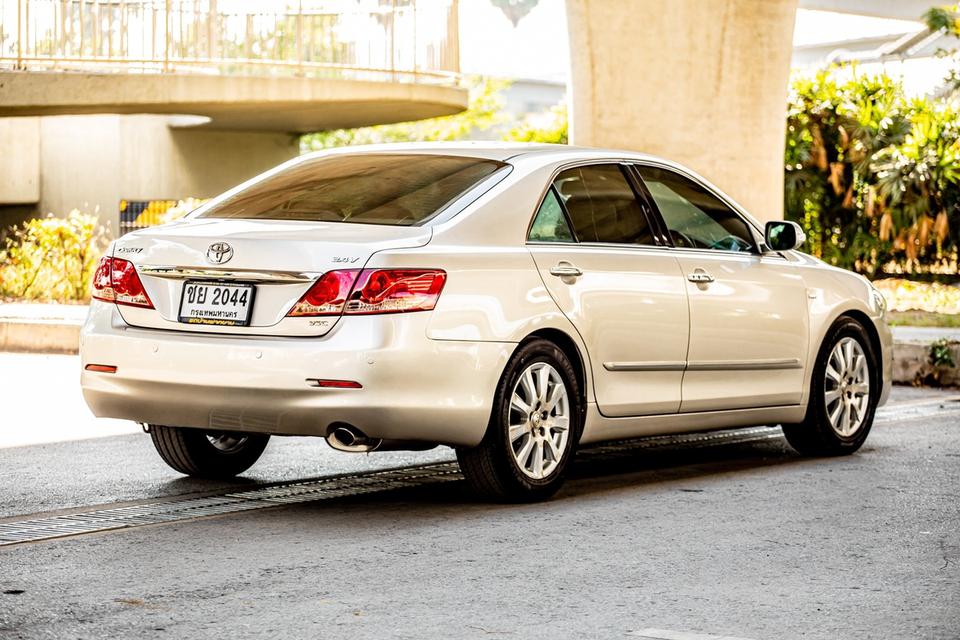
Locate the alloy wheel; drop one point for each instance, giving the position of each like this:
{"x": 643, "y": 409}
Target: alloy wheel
{"x": 847, "y": 387}
{"x": 226, "y": 442}
{"x": 539, "y": 422}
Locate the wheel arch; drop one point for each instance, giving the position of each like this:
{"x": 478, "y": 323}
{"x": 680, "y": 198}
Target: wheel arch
{"x": 872, "y": 334}
{"x": 570, "y": 348}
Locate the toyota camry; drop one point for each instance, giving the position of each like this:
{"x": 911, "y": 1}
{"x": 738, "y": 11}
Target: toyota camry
{"x": 511, "y": 301}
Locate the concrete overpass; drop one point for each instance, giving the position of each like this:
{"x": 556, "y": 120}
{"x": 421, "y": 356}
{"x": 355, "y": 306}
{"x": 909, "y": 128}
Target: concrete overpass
{"x": 202, "y": 94}
{"x": 238, "y": 103}
{"x": 300, "y": 65}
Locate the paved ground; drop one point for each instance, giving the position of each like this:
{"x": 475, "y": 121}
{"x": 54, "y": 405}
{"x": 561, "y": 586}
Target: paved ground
{"x": 41, "y": 400}
{"x": 69, "y": 313}
{"x": 745, "y": 540}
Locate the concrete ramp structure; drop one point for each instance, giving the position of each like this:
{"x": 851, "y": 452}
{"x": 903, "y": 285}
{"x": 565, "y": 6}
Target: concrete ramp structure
{"x": 240, "y": 103}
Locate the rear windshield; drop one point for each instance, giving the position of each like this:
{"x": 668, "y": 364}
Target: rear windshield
{"x": 365, "y": 188}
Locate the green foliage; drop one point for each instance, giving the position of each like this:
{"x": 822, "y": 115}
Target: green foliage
{"x": 552, "y": 129}
{"x": 52, "y": 259}
{"x": 871, "y": 175}
{"x": 485, "y": 110}
{"x": 940, "y": 355}
{"x": 944, "y": 17}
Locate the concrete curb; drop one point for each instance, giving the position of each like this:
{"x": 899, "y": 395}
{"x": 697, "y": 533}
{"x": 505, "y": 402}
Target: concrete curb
{"x": 39, "y": 336}
{"x": 911, "y": 364}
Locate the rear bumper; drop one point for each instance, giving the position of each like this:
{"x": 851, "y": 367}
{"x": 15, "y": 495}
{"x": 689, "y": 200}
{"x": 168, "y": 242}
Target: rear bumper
{"x": 414, "y": 388}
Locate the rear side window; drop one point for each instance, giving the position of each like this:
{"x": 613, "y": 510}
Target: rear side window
{"x": 391, "y": 189}
{"x": 602, "y": 205}
{"x": 550, "y": 223}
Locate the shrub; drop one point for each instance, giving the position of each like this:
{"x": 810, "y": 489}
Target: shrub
{"x": 52, "y": 259}
{"x": 872, "y": 175}
{"x": 550, "y": 127}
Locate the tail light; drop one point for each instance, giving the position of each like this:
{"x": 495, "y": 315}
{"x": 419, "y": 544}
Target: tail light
{"x": 370, "y": 291}
{"x": 327, "y": 295}
{"x": 396, "y": 290}
{"x": 116, "y": 280}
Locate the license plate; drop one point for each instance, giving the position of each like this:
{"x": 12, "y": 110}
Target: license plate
{"x": 220, "y": 303}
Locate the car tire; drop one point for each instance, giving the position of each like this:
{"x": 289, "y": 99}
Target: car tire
{"x": 839, "y": 417}
{"x": 207, "y": 454}
{"x": 537, "y": 414}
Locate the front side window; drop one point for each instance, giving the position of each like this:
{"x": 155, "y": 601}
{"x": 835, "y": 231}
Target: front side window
{"x": 550, "y": 223}
{"x": 696, "y": 218}
{"x": 392, "y": 189}
{"x": 602, "y": 205}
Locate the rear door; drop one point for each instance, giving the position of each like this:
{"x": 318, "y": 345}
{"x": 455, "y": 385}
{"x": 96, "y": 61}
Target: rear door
{"x": 598, "y": 256}
{"x": 748, "y": 310}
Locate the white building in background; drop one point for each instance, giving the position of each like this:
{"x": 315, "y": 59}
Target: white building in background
{"x": 903, "y": 49}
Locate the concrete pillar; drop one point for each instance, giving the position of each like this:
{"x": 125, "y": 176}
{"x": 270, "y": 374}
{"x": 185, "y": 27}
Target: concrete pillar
{"x": 19, "y": 161}
{"x": 701, "y": 82}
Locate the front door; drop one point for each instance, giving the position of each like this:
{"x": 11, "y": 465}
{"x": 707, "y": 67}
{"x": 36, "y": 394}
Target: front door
{"x": 748, "y": 311}
{"x": 595, "y": 250}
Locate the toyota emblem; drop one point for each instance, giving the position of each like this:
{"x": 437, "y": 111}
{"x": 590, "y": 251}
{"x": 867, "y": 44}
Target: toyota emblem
{"x": 219, "y": 253}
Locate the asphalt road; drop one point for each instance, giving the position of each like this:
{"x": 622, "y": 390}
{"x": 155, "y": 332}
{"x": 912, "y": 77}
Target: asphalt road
{"x": 745, "y": 539}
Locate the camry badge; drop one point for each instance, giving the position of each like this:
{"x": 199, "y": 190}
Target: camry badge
{"x": 219, "y": 253}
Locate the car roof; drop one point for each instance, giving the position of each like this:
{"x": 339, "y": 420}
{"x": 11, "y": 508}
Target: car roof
{"x": 493, "y": 150}
{"x": 556, "y": 154}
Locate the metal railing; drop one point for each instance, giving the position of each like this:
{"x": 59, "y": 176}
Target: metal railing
{"x": 399, "y": 40}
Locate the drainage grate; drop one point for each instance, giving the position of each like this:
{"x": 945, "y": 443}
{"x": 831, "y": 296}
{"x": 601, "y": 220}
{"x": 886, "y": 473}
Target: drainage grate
{"x": 190, "y": 508}
{"x": 694, "y": 440}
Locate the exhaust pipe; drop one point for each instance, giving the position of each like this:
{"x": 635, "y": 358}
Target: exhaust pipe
{"x": 345, "y": 437}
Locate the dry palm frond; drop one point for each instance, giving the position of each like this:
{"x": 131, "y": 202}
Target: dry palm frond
{"x": 886, "y": 227}
{"x": 911, "y": 247}
{"x": 836, "y": 177}
{"x": 871, "y": 201}
{"x": 925, "y": 226}
{"x": 941, "y": 227}
{"x": 818, "y": 152}
{"x": 900, "y": 241}
{"x": 848, "y": 198}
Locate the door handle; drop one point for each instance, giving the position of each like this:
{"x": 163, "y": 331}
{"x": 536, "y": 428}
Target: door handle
{"x": 699, "y": 276}
{"x": 566, "y": 270}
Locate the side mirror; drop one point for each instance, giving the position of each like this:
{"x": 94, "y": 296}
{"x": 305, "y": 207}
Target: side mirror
{"x": 783, "y": 235}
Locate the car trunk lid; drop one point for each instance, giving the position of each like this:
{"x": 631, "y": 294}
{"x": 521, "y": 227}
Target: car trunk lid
{"x": 280, "y": 260}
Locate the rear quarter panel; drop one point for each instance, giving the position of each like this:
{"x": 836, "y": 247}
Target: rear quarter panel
{"x": 493, "y": 291}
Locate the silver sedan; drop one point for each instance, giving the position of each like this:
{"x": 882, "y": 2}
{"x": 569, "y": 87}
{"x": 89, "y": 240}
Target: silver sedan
{"x": 511, "y": 301}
